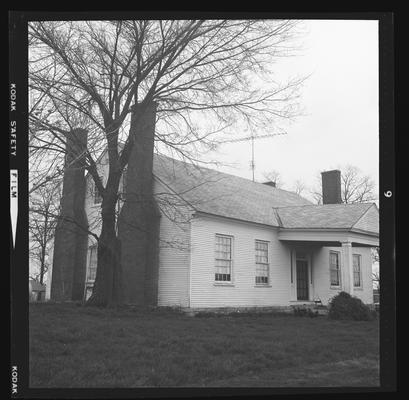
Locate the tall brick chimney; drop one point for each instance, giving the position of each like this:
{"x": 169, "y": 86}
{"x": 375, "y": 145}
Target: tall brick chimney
{"x": 138, "y": 223}
{"x": 71, "y": 238}
{"x": 331, "y": 187}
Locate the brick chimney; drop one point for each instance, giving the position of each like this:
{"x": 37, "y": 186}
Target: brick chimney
{"x": 138, "y": 223}
{"x": 270, "y": 183}
{"x": 331, "y": 187}
{"x": 71, "y": 238}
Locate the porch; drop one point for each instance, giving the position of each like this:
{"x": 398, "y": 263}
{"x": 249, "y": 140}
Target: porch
{"x": 326, "y": 262}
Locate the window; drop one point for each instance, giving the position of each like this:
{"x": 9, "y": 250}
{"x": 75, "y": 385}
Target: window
{"x": 223, "y": 258}
{"x": 334, "y": 268}
{"x": 88, "y": 292}
{"x": 261, "y": 262}
{"x": 97, "y": 195}
{"x": 92, "y": 263}
{"x": 124, "y": 183}
{"x": 356, "y": 262}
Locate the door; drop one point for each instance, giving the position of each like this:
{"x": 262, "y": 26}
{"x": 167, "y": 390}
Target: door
{"x": 302, "y": 280}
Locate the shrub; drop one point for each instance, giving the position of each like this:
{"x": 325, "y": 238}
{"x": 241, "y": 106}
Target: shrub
{"x": 345, "y": 306}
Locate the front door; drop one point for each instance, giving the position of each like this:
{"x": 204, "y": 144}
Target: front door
{"x": 302, "y": 280}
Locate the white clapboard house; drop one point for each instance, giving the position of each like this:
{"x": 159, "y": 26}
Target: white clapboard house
{"x": 226, "y": 241}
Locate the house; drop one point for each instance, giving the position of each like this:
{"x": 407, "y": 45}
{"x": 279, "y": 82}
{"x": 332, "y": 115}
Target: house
{"x": 376, "y": 296}
{"x": 217, "y": 240}
{"x": 36, "y": 290}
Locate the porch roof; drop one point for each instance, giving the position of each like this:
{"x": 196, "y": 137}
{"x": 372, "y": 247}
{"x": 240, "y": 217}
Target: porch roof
{"x": 330, "y": 224}
{"x": 362, "y": 216}
{"x": 328, "y": 237}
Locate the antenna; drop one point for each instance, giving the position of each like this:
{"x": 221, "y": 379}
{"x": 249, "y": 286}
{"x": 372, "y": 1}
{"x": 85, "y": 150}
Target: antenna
{"x": 252, "y": 137}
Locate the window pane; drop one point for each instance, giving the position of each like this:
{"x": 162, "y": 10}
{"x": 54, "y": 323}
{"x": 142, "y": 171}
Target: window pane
{"x": 334, "y": 277}
{"x": 334, "y": 260}
{"x": 92, "y": 266}
{"x": 357, "y": 279}
{"x": 357, "y": 270}
{"x": 223, "y": 257}
{"x": 261, "y": 257}
{"x": 97, "y": 195}
{"x": 334, "y": 268}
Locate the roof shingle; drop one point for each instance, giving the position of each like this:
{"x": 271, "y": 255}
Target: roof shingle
{"x": 337, "y": 216}
{"x": 217, "y": 193}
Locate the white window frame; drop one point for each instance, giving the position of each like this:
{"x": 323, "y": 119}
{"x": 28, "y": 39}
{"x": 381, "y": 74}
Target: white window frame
{"x": 96, "y": 195}
{"x": 331, "y": 269}
{"x": 88, "y": 287}
{"x": 357, "y": 256}
{"x": 216, "y": 260}
{"x": 124, "y": 182}
{"x": 264, "y": 265}
{"x": 92, "y": 248}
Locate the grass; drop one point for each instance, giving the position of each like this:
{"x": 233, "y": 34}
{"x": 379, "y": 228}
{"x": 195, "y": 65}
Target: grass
{"x": 73, "y": 346}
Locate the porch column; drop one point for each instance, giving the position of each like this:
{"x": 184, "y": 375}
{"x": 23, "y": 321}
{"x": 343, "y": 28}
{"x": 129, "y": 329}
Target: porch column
{"x": 347, "y": 268}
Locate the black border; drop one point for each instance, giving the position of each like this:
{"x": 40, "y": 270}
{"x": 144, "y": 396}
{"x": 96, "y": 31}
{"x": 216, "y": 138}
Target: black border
{"x": 18, "y": 61}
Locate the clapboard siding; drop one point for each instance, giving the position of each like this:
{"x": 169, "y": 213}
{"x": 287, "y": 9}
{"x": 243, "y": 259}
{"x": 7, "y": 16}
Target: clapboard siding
{"x": 93, "y": 210}
{"x": 174, "y": 253}
{"x": 174, "y": 257}
{"x": 187, "y": 259}
{"x": 321, "y": 274}
{"x": 203, "y": 290}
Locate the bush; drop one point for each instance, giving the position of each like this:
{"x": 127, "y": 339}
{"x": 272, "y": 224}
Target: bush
{"x": 345, "y": 306}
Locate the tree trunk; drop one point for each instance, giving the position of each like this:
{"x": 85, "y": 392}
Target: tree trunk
{"x": 107, "y": 287}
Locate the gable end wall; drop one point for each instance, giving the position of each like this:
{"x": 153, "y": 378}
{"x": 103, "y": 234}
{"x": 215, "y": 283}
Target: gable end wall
{"x": 174, "y": 252}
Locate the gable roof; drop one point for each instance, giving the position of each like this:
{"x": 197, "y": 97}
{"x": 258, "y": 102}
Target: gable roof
{"x": 222, "y": 194}
{"x": 217, "y": 193}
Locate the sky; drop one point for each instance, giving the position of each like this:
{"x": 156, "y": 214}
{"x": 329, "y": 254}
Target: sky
{"x": 340, "y": 102}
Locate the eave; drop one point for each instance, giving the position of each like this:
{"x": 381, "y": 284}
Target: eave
{"x": 325, "y": 236}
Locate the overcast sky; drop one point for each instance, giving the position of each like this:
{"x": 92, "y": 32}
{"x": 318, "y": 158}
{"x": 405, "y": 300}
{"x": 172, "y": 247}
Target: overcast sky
{"x": 340, "y": 100}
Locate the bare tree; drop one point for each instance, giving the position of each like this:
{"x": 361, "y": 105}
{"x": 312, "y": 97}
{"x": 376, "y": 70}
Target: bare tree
{"x": 355, "y": 187}
{"x": 206, "y": 77}
{"x": 299, "y": 187}
{"x": 274, "y": 176}
{"x": 43, "y": 209}
{"x": 376, "y": 277}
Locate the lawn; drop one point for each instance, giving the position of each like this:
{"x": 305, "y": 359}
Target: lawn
{"x": 75, "y": 346}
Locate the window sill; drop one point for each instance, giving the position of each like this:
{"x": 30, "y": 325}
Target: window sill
{"x": 223, "y": 284}
{"x": 265, "y": 286}
{"x": 358, "y": 288}
{"x": 335, "y": 287}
